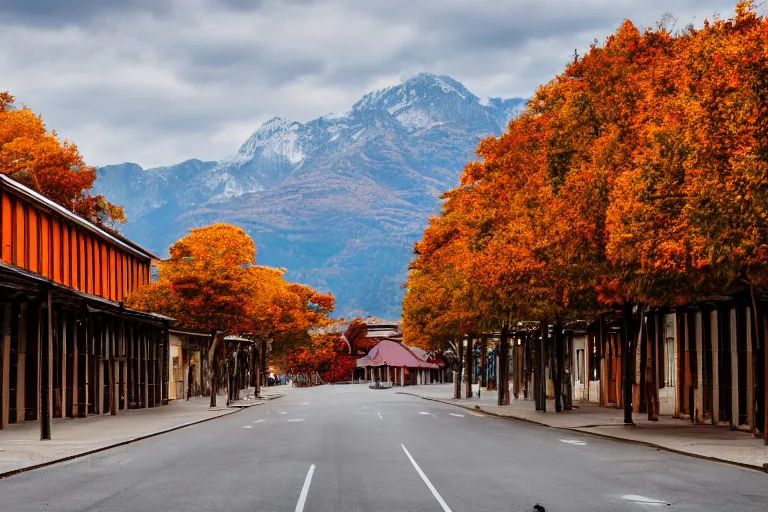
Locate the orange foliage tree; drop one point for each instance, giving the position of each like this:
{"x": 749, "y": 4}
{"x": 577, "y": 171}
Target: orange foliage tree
{"x": 635, "y": 178}
{"x": 38, "y": 159}
{"x": 211, "y": 282}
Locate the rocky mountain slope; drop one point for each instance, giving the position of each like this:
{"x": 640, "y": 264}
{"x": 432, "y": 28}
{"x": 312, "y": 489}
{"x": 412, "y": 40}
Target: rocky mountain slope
{"x": 338, "y": 200}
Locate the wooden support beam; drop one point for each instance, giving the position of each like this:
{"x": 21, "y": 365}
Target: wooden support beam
{"x": 63, "y": 356}
{"x": 114, "y": 392}
{"x": 21, "y": 364}
{"x": 5, "y": 366}
{"x": 45, "y": 366}
{"x": 75, "y": 368}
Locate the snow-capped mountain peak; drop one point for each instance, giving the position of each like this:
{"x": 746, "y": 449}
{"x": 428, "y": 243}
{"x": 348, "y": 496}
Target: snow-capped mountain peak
{"x": 339, "y": 200}
{"x": 276, "y": 137}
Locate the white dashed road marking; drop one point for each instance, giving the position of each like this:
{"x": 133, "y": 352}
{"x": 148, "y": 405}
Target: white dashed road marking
{"x": 642, "y": 500}
{"x": 259, "y": 421}
{"x": 296, "y": 419}
{"x": 305, "y": 489}
{"x": 431, "y": 487}
{"x": 457, "y": 415}
{"x": 379, "y": 415}
{"x": 422, "y": 412}
{"x": 247, "y": 426}
{"x": 282, "y": 412}
{"x": 573, "y": 441}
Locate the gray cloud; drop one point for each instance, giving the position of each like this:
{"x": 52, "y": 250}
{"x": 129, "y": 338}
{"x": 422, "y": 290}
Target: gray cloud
{"x": 157, "y": 82}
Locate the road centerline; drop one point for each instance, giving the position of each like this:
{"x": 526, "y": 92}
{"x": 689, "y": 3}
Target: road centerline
{"x": 305, "y": 489}
{"x": 431, "y": 487}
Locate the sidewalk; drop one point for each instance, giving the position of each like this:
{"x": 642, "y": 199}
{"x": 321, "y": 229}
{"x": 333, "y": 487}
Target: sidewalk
{"x": 705, "y": 441}
{"x": 21, "y": 448}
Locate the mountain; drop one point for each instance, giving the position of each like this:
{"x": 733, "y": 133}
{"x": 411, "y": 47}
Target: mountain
{"x": 339, "y": 200}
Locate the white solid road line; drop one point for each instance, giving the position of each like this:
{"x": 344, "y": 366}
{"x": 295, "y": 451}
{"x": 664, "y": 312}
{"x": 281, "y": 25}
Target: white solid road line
{"x": 431, "y": 487}
{"x": 457, "y": 415}
{"x": 305, "y": 489}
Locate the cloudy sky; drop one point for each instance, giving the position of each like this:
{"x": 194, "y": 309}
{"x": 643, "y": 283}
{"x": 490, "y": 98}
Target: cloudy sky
{"x": 160, "y": 81}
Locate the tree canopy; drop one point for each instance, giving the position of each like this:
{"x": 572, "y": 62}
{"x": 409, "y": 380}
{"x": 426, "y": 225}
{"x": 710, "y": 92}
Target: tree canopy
{"x": 38, "y": 159}
{"x": 637, "y": 175}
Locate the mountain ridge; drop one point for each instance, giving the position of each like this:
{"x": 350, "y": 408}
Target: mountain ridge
{"x": 339, "y": 200}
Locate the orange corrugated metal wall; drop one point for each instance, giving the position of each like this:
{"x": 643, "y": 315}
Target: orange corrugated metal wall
{"x": 47, "y": 244}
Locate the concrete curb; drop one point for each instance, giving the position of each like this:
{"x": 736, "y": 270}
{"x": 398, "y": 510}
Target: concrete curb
{"x": 115, "y": 445}
{"x": 763, "y": 469}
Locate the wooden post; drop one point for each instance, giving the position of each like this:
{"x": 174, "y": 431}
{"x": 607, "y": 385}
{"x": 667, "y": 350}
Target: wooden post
{"x": 145, "y": 359}
{"x": 734, "y": 371}
{"x": 601, "y": 398}
{"x": 751, "y": 377}
{"x": 483, "y": 361}
{"x": 5, "y": 366}
{"x": 468, "y": 368}
{"x": 627, "y": 335}
{"x": 502, "y": 393}
{"x": 64, "y": 365}
{"x": 540, "y": 387}
{"x": 21, "y": 366}
{"x": 45, "y": 368}
{"x": 713, "y": 333}
{"x": 165, "y": 362}
{"x": 557, "y": 370}
{"x": 698, "y": 410}
{"x": 113, "y": 380}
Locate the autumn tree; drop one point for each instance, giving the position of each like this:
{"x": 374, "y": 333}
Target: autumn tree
{"x": 204, "y": 285}
{"x": 38, "y": 159}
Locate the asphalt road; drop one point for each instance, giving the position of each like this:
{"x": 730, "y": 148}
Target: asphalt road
{"x": 348, "y": 448}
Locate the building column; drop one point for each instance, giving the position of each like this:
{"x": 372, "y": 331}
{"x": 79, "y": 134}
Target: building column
{"x": 750, "y": 372}
{"x": 713, "y": 332}
{"x": 5, "y": 367}
{"x": 698, "y": 410}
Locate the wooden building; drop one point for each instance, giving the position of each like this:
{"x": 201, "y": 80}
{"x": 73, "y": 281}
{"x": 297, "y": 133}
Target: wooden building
{"x": 68, "y": 345}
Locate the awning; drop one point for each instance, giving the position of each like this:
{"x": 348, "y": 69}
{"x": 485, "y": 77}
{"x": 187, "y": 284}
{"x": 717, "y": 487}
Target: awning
{"x": 392, "y": 353}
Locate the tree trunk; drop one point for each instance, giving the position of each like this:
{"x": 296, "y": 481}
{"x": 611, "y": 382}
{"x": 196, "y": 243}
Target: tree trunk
{"x": 468, "y": 368}
{"x": 483, "y": 362}
{"x": 459, "y": 369}
{"x": 627, "y": 336}
{"x": 213, "y": 366}
{"x": 263, "y": 362}
{"x": 502, "y": 386}
{"x": 541, "y": 376}
{"x": 557, "y": 365}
